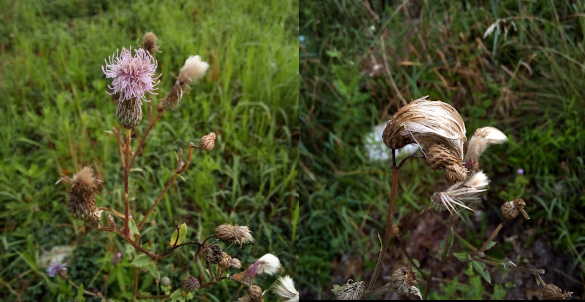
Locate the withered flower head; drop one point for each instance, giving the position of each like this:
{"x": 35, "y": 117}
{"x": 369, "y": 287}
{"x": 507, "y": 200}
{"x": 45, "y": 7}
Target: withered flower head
{"x": 193, "y": 69}
{"x": 404, "y": 282}
{"x": 81, "y": 201}
{"x": 226, "y": 260}
{"x": 553, "y": 292}
{"x": 149, "y": 42}
{"x": 440, "y": 157}
{"x": 352, "y": 290}
{"x": 212, "y": 253}
{"x": 255, "y": 293}
{"x": 426, "y": 123}
{"x": 207, "y": 142}
{"x": 235, "y": 234}
{"x": 481, "y": 139}
{"x": 511, "y": 209}
{"x": 459, "y": 192}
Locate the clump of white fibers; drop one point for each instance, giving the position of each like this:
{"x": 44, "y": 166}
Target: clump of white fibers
{"x": 460, "y": 192}
{"x": 481, "y": 139}
{"x": 193, "y": 69}
{"x": 268, "y": 264}
{"x": 286, "y": 289}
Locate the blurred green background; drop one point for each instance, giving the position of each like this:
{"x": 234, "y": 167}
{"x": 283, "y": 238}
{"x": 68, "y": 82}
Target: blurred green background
{"x": 56, "y": 118}
{"x": 361, "y": 59}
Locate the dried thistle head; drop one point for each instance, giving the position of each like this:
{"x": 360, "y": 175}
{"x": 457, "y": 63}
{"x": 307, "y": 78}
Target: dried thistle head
{"x": 426, "y": 123}
{"x": 212, "y": 253}
{"x": 81, "y": 200}
{"x": 255, "y": 293}
{"x": 193, "y": 69}
{"x": 440, "y": 157}
{"x": 226, "y": 260}
{"x": 149, "y": 42}
{"x": 481, "y": 139}
{"x": 351, "y": 290}
{"x": 234, "y": 234}
{"x": 235, "y": 263}
{"x": 460, "y": 192}
{"x": 553, "y": 292}
{"x": 207, "y": 142}
{"x": 404, "y": 282}
{"x": 511, "y": 209}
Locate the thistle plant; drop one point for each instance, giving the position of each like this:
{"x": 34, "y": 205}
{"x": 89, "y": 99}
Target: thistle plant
{"x": 439, "y": 130}
{"x": 134, "y": 80}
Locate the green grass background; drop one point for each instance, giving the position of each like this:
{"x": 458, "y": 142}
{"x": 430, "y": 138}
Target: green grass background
{"x": 527, "y": 82}
{"x": 56, "y": 118}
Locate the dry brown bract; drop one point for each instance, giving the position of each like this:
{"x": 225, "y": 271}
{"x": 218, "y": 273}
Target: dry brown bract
{"x": 426, "y": 123}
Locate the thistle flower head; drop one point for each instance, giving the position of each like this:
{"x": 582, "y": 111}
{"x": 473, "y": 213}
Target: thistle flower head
{"x": 56, "y": 268}
{"x": 267, "y": 264}
{"x": 255, "y": 293}
{"x": 207, "y": 143}
{"x": 481, "y": 139}
{"x": 81, "y": 201}
{"x": 426, "y": 123}
{"x": 404, "y": 282}
{"x": 459, "y": 192}
{"x": 190, "y": 284}
{"x": 133, "y": 75}
{"x": 286, "y": 289}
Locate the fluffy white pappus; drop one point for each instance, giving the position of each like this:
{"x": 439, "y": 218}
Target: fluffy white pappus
{"x": 481, "y": 139}
{"x": 464, "y": 190}
{"x": 268, "y": 264}
{"x": 193, "y": 69}
{"x": 285, "y": 288}
{"x": 435, "y": 120}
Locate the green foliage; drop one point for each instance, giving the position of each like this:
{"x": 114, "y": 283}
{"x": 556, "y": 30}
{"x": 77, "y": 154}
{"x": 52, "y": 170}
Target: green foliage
{"x": 525, "y": 80}
{"x": 58, "y": 118}
{"x": 178, "y": 235}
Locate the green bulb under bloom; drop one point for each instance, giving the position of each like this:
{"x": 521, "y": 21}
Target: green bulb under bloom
{"x": 129, "y": 113}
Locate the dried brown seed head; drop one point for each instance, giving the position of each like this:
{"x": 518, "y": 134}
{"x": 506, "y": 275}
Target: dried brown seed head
{"x": 255, "y": 293}
{"x": 509, "y": 211}
{"x": 236, "y": 263}
{"x": 81, "y": 200}
{"x": 352, "y": 290}
{"x": 212, "y": 253}
{"x": 226, "y": 260}
{"x": 149, "y": 42}
{"x": 440, "y": 157}
{"x": 460, "y": 192}
{"x": 234, "y": 234}
{"x": 553, "y": 292}
{"x": 208, "y": 141}
{"x": 404, "y": 281}
{"x": 427, "y": 123}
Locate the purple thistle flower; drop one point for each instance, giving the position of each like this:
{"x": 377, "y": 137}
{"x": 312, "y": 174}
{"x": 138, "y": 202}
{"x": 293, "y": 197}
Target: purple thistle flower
{"x": 116, "y": 258}
{"x": 133, "y": 76}
{"x": 252, "y": 270}
{"x": 55, "y": 268}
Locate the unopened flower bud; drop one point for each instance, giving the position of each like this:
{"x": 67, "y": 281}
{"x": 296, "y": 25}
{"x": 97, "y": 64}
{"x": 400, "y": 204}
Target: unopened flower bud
{"x": 129, "y": 113}
{"x": 165, "y": 281}
{"x": 255, "y": 293}
{"x": 212, "y": 253}
{"x": 190, "y": 284}
{"x": 207, "y": 142}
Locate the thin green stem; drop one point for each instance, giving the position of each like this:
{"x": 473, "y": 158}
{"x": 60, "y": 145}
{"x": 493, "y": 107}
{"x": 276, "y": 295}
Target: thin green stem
{"x": 126, "y": 173}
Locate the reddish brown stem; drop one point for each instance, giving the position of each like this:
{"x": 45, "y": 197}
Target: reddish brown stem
{"x": 126, "y": 173}
{"x": 143, "y": 140}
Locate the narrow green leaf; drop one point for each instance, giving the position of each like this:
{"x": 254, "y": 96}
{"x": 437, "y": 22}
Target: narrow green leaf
{"x": 141, "y": 261}
{"x": 182, "y": 232}
{"x": 482, "y": 270}
{"x": 128, "y": 249}
{"x": 490, "y": 245}
{"x": 132, "y": 226}
{"x": 461, "y": 256}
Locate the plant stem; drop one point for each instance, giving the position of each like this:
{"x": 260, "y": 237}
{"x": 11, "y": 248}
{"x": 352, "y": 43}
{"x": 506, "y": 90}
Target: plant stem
{"x": 113, "y": 212}
{"x": 120, "y": 144}
{"x": 98, "y": 294}
{"x": 126, "y": 173}
{"x": 143, "y": 140}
